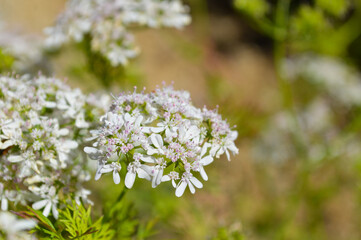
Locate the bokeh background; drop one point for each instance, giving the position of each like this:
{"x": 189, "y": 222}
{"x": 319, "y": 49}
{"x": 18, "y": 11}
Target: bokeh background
{"x": 227, "y": 57}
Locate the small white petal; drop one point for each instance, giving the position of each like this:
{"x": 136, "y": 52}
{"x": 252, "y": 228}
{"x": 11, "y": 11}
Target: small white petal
{"x": 154, "y": 180}
{"x": 148, "y": 159}
{"x": 129, "y": 179}
{"x": 116, "y": 177}
{"x": 143, "y": 174}
{"x": 203, "y": 173}
{"x": 233, "y": 148}
{"x": 157, "y": 140}
{"x": 93, "y": 153}
{"x": 233, "y": 135}
{"x": 157, "y": 129}
{"x": 63, "y": 132}
{"x": 21, "y": 225}
{"x": 152, "y": 151}
{"x": 206, "y": 160}
{"x": 50, "y": 104}
{"x": 174, "y": 184}
{"x": 192, "y": 132}
{"x": 4, "y": 204}
{"x": 98, "y": 174}
{"x": 159, "y": 177}
{"x": 127, "y": 117}
{"x": 138, "y": 121}
{"x": 106, "y": 169}
{"x": 165, "y": 178}
{"x": 40, "y": 204}
{"x": 15, "y": 159}
{"x": 55, "y": 212}
{"x": 70, "y": 144}
{"x": 180, "y": 189}
{"x": 227, "y": 153}
{"x": 47, "y": 209}
{"x": 196, "y": 182}
{"x": 191, "y": 187}
{"x": 6, "y": 144}
{"x": 205, "y": 148}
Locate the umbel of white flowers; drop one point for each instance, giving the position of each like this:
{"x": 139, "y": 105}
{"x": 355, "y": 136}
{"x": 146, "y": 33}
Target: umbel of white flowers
{"x": 160, "y": 136}
{"x": 42, "y": 123}
{"x": 107, "y": 23}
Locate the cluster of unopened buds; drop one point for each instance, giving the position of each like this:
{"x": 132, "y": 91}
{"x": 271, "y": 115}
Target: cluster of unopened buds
{"x": 107, "y": 23}
{"x": 43, "y": 123}
{"x": 160, "y": 136}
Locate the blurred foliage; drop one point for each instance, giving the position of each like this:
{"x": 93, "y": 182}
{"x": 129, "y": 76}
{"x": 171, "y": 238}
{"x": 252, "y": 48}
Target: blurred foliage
{"x": 100, "y": 66}
{"x": 253, "y": 8}
{"x": 337, "y": 8}
{"x": 122, "y": 217}
{"x": 6, "y": 62}
{"x": 301, "y": 194}
{"x": 229, "y": 234}
{"x": 322, "y": 26}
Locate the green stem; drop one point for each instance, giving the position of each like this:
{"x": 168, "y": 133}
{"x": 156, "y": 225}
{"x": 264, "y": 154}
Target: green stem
{"x": 122, "y": 194}
{"x": 281, "y": 19}
{"x": 280, "y": 53}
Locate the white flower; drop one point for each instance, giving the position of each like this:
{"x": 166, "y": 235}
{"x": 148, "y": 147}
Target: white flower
{"x": 204, "y": 161}
{"x": 82, "y": 195}
{"x": 223, "y": 147}
{"x": 11, "y": 133}
{"x": 157, "y": 170}
{"x": 157, "y": 141}
{"x": 340, "y": 81}
{"x": 187, "y": 180}
{"x": 188, "y": 134}
{"x": 113, "y": 167}
{"x": 14, "y": 228}
{"x": 49, "y": 204}
{"x": 172, "y": 176}
{"x": 136, "y": 168}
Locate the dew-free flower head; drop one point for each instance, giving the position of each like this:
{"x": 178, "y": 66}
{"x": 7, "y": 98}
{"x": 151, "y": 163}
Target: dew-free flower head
{"x": 160, "y": 136}
{"x": 107, "y": 23}
{"x": 43, "y": 123}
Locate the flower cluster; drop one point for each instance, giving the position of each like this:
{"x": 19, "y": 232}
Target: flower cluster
{"x": 107, "y": 23}
{"x": 341, "y": 82}
{"x": 160, "y": 136}
{"x": 311, "y": 133}
{"x": 43, "y": 122}
{"x": 25, "y": 49}
{"x": 12, "y": 228}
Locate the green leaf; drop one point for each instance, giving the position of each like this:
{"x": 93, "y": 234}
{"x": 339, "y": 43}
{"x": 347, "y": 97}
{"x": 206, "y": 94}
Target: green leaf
{"x": 253, "y": 8}
{"x": 43, "y": 220}
{"x": 336, "y": 8}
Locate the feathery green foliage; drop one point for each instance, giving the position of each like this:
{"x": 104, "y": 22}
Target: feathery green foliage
{"x": 74, "y": 222}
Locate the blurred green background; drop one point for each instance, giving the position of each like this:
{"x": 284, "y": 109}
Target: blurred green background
{"x": 232, "y": 56}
